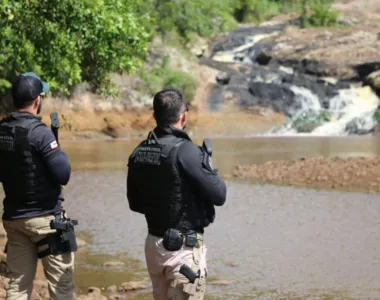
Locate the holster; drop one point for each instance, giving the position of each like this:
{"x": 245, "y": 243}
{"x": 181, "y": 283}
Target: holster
{"x": 173, "y": 240}
{"x": 58, "y": 243}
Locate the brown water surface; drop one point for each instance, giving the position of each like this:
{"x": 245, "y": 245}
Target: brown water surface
{"x": 270, "y": 242}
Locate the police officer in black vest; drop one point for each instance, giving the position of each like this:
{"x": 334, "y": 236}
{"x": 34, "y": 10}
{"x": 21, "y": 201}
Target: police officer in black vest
{"x": 171, "y": 182}
{"x": 33, "y": 169}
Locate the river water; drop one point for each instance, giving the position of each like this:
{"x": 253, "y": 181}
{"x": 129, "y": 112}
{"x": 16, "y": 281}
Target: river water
{"x": 270, "y": 242}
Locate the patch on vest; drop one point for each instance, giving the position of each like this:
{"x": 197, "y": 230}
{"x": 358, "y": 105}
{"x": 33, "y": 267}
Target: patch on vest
{"x": 7, "y": 143}
{"x": 148, "y": 155}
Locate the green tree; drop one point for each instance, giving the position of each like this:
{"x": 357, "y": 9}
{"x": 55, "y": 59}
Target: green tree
{"x": 68, "y": 41}
{"x": 192, "y": 17}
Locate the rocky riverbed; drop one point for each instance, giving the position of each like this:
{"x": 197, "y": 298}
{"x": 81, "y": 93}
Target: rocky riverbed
{"x": 40, "y": 286}
{"x": 352, "y": 174}
{"x": 324, "y": 80}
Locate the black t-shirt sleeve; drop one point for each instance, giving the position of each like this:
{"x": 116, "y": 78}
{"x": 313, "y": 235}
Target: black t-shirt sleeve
{"x": 202, "y": 178}
{"x": 43, "y": 141}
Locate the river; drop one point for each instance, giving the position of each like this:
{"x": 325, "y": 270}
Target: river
{"x": 270, "y": 242}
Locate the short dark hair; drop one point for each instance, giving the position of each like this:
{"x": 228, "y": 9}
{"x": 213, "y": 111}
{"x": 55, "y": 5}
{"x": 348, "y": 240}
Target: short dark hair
{"x": 167, "y": 106}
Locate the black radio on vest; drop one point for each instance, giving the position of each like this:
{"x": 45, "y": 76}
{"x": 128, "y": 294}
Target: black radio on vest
{"x": 209, "y": 209}
{"x": 54, "y": 124}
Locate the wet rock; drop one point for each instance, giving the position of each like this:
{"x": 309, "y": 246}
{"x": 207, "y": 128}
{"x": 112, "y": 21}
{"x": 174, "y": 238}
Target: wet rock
{"x": 307, "y": 66}
{"x": 223, "y": 78}
{"x": 242, "y": 36}
{"x": 112, "y": 289}
{"x": 280, "y": 98}
{"x": 366, "y": 69}
{"x": 117, "y": 297}
{"x": 114, "y": 264}
{"x": 358, "y": 126}
{"x": 239, "y": 79}
{"x": 240, "y": 95}
{"x": 240, "y": 56}
{"x": 373, "y": 80}
{"x": 94, "y": 293}
{"x": 132, "y": 286}
{"x": 94, "y": 289}
{"x": 263, "y": 58}
{"x": 220, "y": 282}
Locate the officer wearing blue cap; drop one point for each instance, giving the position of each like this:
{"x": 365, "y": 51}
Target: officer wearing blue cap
{"x": 33, "y": 171}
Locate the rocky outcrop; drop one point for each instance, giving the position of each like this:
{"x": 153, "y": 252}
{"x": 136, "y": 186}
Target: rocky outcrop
{"x": 94, "y": 293}
{"x": 313, "y": 76}
{"x": 132, "y": 286}
{"x": 347, "y": 174}
{"x": 373, "y": 80}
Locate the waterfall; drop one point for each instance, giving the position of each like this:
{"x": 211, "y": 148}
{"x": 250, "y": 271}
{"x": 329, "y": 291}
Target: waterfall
{"x": 314, "y": 105}
{"x": 351, "y": 111}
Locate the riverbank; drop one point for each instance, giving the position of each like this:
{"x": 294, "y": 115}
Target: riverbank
{"x": 352, "y": 174}
{"x": 136, "y": 123}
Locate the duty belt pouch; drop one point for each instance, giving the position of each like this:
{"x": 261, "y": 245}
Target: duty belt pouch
{"x": 58, "y": 243}
{"x": 62, "y": 242}
{"x": 173, "y": 240}
{"x": 191, "y": 240}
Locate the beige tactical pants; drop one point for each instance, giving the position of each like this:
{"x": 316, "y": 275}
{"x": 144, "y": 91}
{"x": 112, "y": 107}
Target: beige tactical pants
{"x": 22, "y": 259}
{"x": 163, "y": 267}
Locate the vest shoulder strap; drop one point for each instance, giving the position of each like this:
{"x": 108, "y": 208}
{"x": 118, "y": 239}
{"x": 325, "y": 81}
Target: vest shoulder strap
{"x": 172, "y": 145}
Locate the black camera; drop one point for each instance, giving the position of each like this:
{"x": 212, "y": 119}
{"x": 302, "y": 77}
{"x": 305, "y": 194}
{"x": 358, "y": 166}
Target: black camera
{"x": 64, "y": 240}
{"x": 63, "y": 224}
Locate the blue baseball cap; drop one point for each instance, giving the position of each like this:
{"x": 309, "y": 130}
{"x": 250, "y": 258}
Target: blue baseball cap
{"x": 27, "y": 87}
{"x": 45, "y": 85}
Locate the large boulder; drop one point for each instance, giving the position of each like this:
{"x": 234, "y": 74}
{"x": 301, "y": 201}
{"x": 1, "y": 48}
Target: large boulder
{"x": 373, "y": 80}
{"x": 132, "y": 286}
{"x": 114, "y": 264}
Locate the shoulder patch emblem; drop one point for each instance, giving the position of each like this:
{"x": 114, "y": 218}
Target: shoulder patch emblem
{"x": 53, "y": 145}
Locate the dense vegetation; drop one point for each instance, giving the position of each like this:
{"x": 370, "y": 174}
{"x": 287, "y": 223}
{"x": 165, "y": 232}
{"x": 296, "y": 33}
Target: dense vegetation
{"x": 70, "y": 41}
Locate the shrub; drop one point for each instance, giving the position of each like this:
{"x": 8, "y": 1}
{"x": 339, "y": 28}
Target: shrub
{"x": 69, "y": 41}
{"x": 163, "y": 77}
{"x": 322, "y": 14}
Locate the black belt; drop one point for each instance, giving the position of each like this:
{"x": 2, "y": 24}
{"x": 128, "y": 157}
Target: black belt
{"x": 159, "y": 233}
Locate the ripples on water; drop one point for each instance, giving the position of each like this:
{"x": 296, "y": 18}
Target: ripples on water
{"x": 270, "y": 242}
{"x": 282, "y": 240}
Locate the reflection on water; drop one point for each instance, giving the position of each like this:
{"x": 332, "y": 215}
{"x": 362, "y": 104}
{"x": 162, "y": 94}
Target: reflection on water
{"x": 266, "y": 240}
{"x": 113, "y": 154}
{"x": 270, "y": 242}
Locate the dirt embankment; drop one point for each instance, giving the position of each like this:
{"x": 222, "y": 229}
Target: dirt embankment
{"x": 352, "y": 174}
{"x": 136, "y": 123}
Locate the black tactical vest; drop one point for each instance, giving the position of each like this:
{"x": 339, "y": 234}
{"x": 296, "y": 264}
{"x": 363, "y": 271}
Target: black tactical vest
{"x": 26, "y": 182}
{"x": 167, "y": 199}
